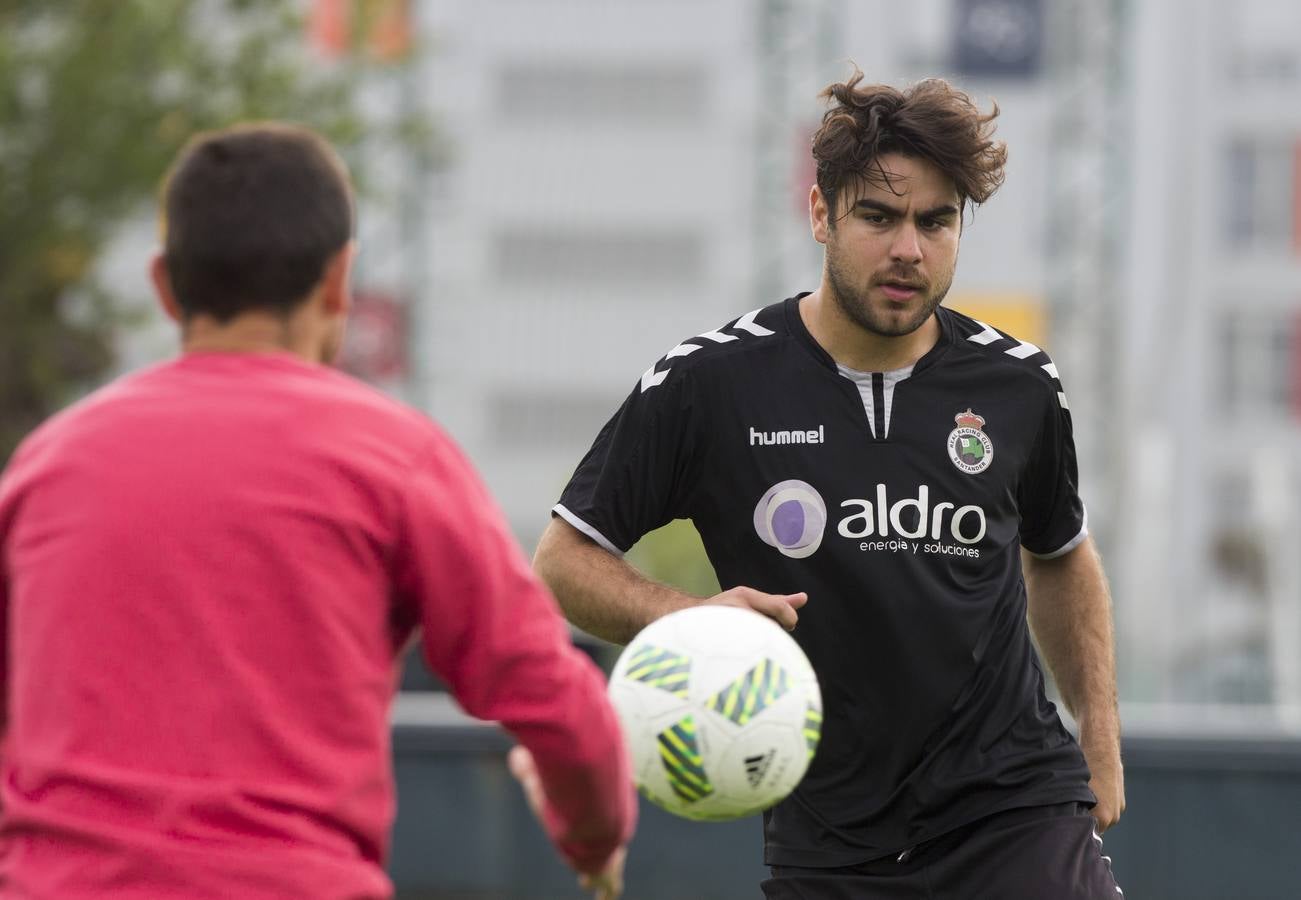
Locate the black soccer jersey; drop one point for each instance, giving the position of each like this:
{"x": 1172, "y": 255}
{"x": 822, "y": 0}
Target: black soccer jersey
{"x": 899, "y": 502}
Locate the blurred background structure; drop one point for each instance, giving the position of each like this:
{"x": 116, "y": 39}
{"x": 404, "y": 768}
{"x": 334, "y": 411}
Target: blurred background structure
{"x": 558, "y": 191}
{"x": 628, "y": 174}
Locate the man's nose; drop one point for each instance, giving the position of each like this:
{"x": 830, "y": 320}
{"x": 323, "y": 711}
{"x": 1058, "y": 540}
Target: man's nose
{"x": 906, "y": 246}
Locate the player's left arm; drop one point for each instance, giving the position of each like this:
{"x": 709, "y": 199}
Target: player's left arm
{"x": 4, "y": 643}
{"x": 7, "y": 505}
{"x": 1070, "y": 616}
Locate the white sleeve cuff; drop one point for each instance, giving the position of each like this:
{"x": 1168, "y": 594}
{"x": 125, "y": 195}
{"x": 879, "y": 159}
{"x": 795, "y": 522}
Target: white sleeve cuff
{"x": 1069, "y": 545}
{"x": 560, "y": 510}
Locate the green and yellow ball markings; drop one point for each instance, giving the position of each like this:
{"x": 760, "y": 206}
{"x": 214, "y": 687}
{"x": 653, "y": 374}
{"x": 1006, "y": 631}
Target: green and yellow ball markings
{"x": 683, "y": 765}
{"x": 812, "y": 729}
{"x": 661, "y": 669}
{"x": 752, "y": 693}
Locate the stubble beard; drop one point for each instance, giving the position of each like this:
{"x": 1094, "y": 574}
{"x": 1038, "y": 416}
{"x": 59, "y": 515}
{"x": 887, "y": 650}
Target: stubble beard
{"x": 857, "y": 307}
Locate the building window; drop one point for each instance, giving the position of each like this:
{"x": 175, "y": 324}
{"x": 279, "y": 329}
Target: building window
{"x": 620, "y": 258}
{"x": 624, "y": 92}
{"x": 1261, "y": 379}
{"x": 1263, "y": 195}
{"x": 1258, "y": 39}
{"x": 532, "y": 419}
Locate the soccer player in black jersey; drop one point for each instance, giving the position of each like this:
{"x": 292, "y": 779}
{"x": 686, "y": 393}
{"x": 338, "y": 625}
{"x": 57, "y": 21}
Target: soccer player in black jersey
{"x": 895, "y": 482}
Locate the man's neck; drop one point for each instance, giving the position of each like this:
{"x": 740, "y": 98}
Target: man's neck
{"x": 251, "y": 332}
{"x": 853, "y": 346}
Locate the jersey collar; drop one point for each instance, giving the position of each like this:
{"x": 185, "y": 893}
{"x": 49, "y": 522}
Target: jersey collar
{"x": 795, "y": 324}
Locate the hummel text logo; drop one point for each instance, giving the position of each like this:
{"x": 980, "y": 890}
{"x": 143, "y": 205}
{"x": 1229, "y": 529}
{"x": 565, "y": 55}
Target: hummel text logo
{"x": 767, "y": 438}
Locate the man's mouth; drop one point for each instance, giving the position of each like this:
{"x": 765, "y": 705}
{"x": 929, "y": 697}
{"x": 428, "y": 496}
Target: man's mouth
{"x": 900, "y": 290}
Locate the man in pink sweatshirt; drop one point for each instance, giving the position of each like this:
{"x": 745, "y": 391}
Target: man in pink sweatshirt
{"x": 209, "y": 570}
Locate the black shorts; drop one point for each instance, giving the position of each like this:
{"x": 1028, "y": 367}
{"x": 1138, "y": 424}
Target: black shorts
{"x": 1036, "y": 853}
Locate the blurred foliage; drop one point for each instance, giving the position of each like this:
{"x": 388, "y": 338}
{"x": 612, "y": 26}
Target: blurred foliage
{"x": 96, "y": 97}
{"x": 674, "y": 556}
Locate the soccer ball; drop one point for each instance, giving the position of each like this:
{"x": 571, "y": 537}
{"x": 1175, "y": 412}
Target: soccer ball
{"x": 721, "y": 711}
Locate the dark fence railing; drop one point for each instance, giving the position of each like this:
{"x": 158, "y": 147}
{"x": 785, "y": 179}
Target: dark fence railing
{"x": 1212, "y": 816}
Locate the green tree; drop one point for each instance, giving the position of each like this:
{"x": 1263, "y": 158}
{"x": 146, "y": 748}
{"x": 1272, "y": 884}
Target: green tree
{"x": 96, "y": 97}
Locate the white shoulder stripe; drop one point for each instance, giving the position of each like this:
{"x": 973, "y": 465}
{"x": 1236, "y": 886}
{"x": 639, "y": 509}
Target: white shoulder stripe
{"x": 560, "y": 510}
{"x": 682, "y": 350}
{"x": 1023, "y": 350}
{"x": 650, "y": 378}
{"x": 1061, "y": 399}
{"x": 1051, "y": 369}
{"x": 986, "y": 336}
{"x": 747, "y": 323}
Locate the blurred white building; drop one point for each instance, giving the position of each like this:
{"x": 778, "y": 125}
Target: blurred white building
{"x": 595, "y": 212}
{"x": 630, "y": 173}
{"x": 1209, "y": 324}
{"x": 627, "y": 174}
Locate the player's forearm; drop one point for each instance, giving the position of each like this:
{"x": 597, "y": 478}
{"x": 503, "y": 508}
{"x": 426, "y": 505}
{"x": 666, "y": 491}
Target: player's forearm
{"x": 599, "y": 592}
{"x": 1070, "y": 615}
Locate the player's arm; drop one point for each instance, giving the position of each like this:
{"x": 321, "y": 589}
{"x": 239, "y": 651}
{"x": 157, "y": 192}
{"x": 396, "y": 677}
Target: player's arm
{"x": 492, "y": 632}
{"x": 1070, "y": 615}
{"x": 642, "y": 471}
{"x": 606, "y": 596}
{"x": 7, "y": 504}
{"x": 4, "y": 642}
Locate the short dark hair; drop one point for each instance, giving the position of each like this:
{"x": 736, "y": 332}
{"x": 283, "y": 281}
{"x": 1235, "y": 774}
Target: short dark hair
{"x": 251, "y": 216}
{"x": 931, "y": 120}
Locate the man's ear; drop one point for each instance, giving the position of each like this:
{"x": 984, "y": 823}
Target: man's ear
{"x": 162, "y": 281}
{"x": 336, "y": 288}
{"x": 819, "y": 215}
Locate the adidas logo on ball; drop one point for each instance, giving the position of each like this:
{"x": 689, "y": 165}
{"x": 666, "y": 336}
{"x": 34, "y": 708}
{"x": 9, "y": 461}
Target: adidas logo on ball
{"x": 756, "y": 766}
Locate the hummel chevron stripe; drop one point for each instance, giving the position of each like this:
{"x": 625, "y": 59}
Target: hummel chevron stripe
{"x": 1023, "y": 350}
{"x": 650, "y": 378}
{"x": 746, "y": 323}
{"x": 682, "y": 350}
{"x": 986, "y": 336}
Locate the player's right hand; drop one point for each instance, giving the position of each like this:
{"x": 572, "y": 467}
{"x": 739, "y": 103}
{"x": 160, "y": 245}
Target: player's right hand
{"x": 779, "y": 607}
{"x": 606, "y": 884}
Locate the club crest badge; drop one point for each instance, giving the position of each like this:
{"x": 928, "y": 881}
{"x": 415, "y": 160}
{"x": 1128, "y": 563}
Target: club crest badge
{"x": 970, "y": 448}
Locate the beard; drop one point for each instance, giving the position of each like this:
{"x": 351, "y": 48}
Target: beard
{"x": 857, "y": 306}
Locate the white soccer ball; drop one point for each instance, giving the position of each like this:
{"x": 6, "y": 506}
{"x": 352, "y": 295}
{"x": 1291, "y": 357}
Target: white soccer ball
{"x": 721, "y": 711}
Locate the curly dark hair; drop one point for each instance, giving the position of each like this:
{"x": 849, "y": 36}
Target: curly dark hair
{"x": 931, "y": 120}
